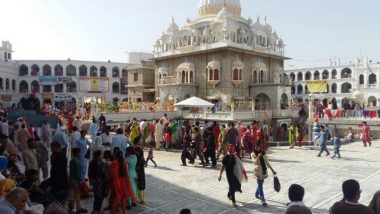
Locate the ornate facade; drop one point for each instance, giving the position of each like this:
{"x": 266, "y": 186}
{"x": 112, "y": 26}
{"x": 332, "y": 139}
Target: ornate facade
{"x": 357, "y": 81}
{"x": 223, "y": 57}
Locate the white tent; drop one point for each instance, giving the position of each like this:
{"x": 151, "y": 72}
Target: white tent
{"x": 194, "y": 102}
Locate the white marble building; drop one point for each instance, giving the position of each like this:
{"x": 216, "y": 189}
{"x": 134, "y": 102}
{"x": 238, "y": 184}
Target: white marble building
{"x": 223, "y": 57}
{"x": 351, "y": 81}
{"x": 20, "y": 78}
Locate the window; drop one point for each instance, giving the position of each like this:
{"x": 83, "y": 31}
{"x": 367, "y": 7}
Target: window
{"x": 1, "y": 83}
{"x": 361, "y": 79}
{"x": 115, "y": 87}
{"x": 71, "y": 70}
{"x": 46, "y": 88}
{"x": 346, "y": 73}
{"x": 235, "y": 75}
{"x": 46, "y": 70}
{"x": 299, "y": 89}
{"x": 372, "y": 79}
{"x": 35, "y": 70}
{"x": 316, "y": 75}
{"x": 58, "y": 88}
{"x": 83, "y": 71}
{"x": 23, "y": 86}
{"x": 183, "y": 77}
{"x": 115, "y": 72}
{"x": 23, "y": 70}
{"x": 35, "y": 86}
{"x": 211, "y": 74}
{"x": 299, "y": 76}
{"x": 308, "y": 75}
{"x": 346, "y": 87}
{"x": 7, "y": 84}
{"x": 333, "y": 74}
{"x": 136, "y": 77}
{"x": 292, "y": 77}
{"x": 216, "y": 74}
{"x": 71, "y": 87}
{"x": 58, "y": 70}
{"x": 333, "y": 88}
{"x": 14, "y": 85}
{"x": 93, "y": 71}
{"x": 325, "y": 75}
{"x": 103, "y": 71}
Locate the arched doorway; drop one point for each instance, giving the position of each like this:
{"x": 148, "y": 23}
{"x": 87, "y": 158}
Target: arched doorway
{"x": 346, "y": 88}
{"x": 308, "y": 75}
{"x": 23, "y": 70}
{"x": 71, "y": 70}
{"x": 35, "y": 86}
{"x": 316, "y": 75}
{"x": 346, "y": 73}
{"x": 262, "y": 102}
{"x": 361, "y": 79}
{"x": 23, "y": 86}
{"x": 299, "y": 76}
{"x": 284, "y": 101}
{"x": 372, "y": 101}
{"x": 325, "y": 75}
{"x": 46, "y": 70}
{"x": 372, "y": 80}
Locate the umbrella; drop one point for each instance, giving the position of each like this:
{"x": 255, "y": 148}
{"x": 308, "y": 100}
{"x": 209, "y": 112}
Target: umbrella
{"x": 194, "y": 102}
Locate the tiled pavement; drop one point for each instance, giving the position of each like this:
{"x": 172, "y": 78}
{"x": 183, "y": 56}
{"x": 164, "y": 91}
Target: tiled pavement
{"x": 171, "y": 187}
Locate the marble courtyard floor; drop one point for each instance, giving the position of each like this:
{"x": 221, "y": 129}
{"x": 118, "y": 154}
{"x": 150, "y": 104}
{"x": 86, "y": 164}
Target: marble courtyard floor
{"x": 171, "y": 187}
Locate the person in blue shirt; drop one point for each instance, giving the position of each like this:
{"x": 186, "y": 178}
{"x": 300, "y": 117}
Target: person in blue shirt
{"x": 94, "y": 128}
{"x": 83, "y": 145}
{"x": 336, "y": 143}
{"x": 120, "y": 141}
{"x": 322, "y": 142}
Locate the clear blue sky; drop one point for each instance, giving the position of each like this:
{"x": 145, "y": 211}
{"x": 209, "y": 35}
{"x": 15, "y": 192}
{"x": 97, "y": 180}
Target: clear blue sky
{"x": 314, "y": 31}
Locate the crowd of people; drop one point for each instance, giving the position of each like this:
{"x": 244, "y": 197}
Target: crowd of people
{"x": 48, "y": 171}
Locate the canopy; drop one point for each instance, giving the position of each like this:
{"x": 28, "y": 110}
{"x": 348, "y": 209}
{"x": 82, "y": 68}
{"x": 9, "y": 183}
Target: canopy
{"x": 194, "y": 102}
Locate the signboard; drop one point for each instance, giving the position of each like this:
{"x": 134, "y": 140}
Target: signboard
{"x": 317, "y": 86}
{"x": 93, "y": 84}
{"x": 53, "y": 80}
{"x": 48, "y": 80}
{"x": 65, "y": 79}
{"x": 47, "y": 96}
{"x": 62, "y": 98}
{"x": 6, "y": 97}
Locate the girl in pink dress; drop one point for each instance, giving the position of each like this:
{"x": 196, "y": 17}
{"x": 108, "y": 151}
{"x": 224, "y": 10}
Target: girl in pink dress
{"x": 366, "y": 134}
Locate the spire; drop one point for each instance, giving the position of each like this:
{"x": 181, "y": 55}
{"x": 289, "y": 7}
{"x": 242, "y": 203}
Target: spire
{"x": 173, "y": 19}
{"x": 265, "y": 19}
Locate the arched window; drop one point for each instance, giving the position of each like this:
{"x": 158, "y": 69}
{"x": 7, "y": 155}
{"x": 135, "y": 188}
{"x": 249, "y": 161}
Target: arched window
{"x": 93, "y": 71}
{"x": 46, "y": 70}
{"x": 35, "y": 70}
{"x": 183, "y": 77}
{"x": 83, "y": 71}
{"x": 115, "y": 72}
{"x": 292, "y": 77}
{"x": 71, "y": 87}
{"x": 211, "y": 74}
{"x": 299, "y": 89}
{"x": 58, "y": 70}
{"x": 187, "y": 77}
{"x": 325, "y": 75}
{"x": 235, "y": 74}
{"x": 14, "y": 85}
{"x": 23, "y": 86}
{"x": 262, "y": 76}
{"x": 293, "y": 90}
{"x": 7, "y": 84}
{"x": 216, "y": 74}
{"x": 46, "y": 88}
{"x": 103, "y": 71}
{"x": 71, "y": 70}
{"x": 124, "y": 73}
{"x": 316, "y": 75}
{"x": 333, "y": 88}
{"x": 333, "y": 74}
{"x": 1, "y": 83}
{"x": 372, "y": 79}
{"x": 254, "y": 76}
{"x": 346, "y": 87}
{"x": 23, "y": 70}
{"x": 58, "y": 88}
{"x": 361, "y": 79}
{"x": 35, "y": 86}
{"x": 346, "y": 73}
{"x": 136, "y": 77}
{"x": 191, "y": 77}
{"x": 308, "y": 75}
{"x": 115, "y": 87}
{"x": 299, "y": 76}
{"x": 240, "y": 74}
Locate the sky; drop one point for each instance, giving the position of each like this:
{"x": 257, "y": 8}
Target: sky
{"x": 101, "y": 30}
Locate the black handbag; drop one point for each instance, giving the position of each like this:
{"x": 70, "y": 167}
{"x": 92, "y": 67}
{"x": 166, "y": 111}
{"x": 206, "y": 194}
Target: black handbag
{"x": 276, "y": 184}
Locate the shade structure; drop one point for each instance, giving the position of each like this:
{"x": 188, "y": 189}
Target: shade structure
{"x": 194, "y": 102}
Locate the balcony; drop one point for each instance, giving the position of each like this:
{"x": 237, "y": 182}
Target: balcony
{"x": 169, "y": 80}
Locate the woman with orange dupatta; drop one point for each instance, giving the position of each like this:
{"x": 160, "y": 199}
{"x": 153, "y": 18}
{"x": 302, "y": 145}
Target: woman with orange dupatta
{"x": 121, "y": 186}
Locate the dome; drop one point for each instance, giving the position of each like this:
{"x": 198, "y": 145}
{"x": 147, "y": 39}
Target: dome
{"x": 173, "y": 27}
{"x": 209, "y": 7}
{"x": 224, "y": 13}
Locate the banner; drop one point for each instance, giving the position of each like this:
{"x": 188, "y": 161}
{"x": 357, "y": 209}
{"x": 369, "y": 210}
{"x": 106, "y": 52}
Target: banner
{"x": 48, "y": 80}
{"x": 93, "y": 84}
{"x": 317, "y": 86}
{"x": 65, "y": 79}
{"x": 6, "y": 97}
{"x": 63, "y": 97}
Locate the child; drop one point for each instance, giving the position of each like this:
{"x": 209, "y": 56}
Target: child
{"x": 336, "y": 142}
{"x": 150, "y": 155}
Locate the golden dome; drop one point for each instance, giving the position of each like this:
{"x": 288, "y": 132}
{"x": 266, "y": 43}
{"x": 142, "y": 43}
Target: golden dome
{"x": 208, "y": 7}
